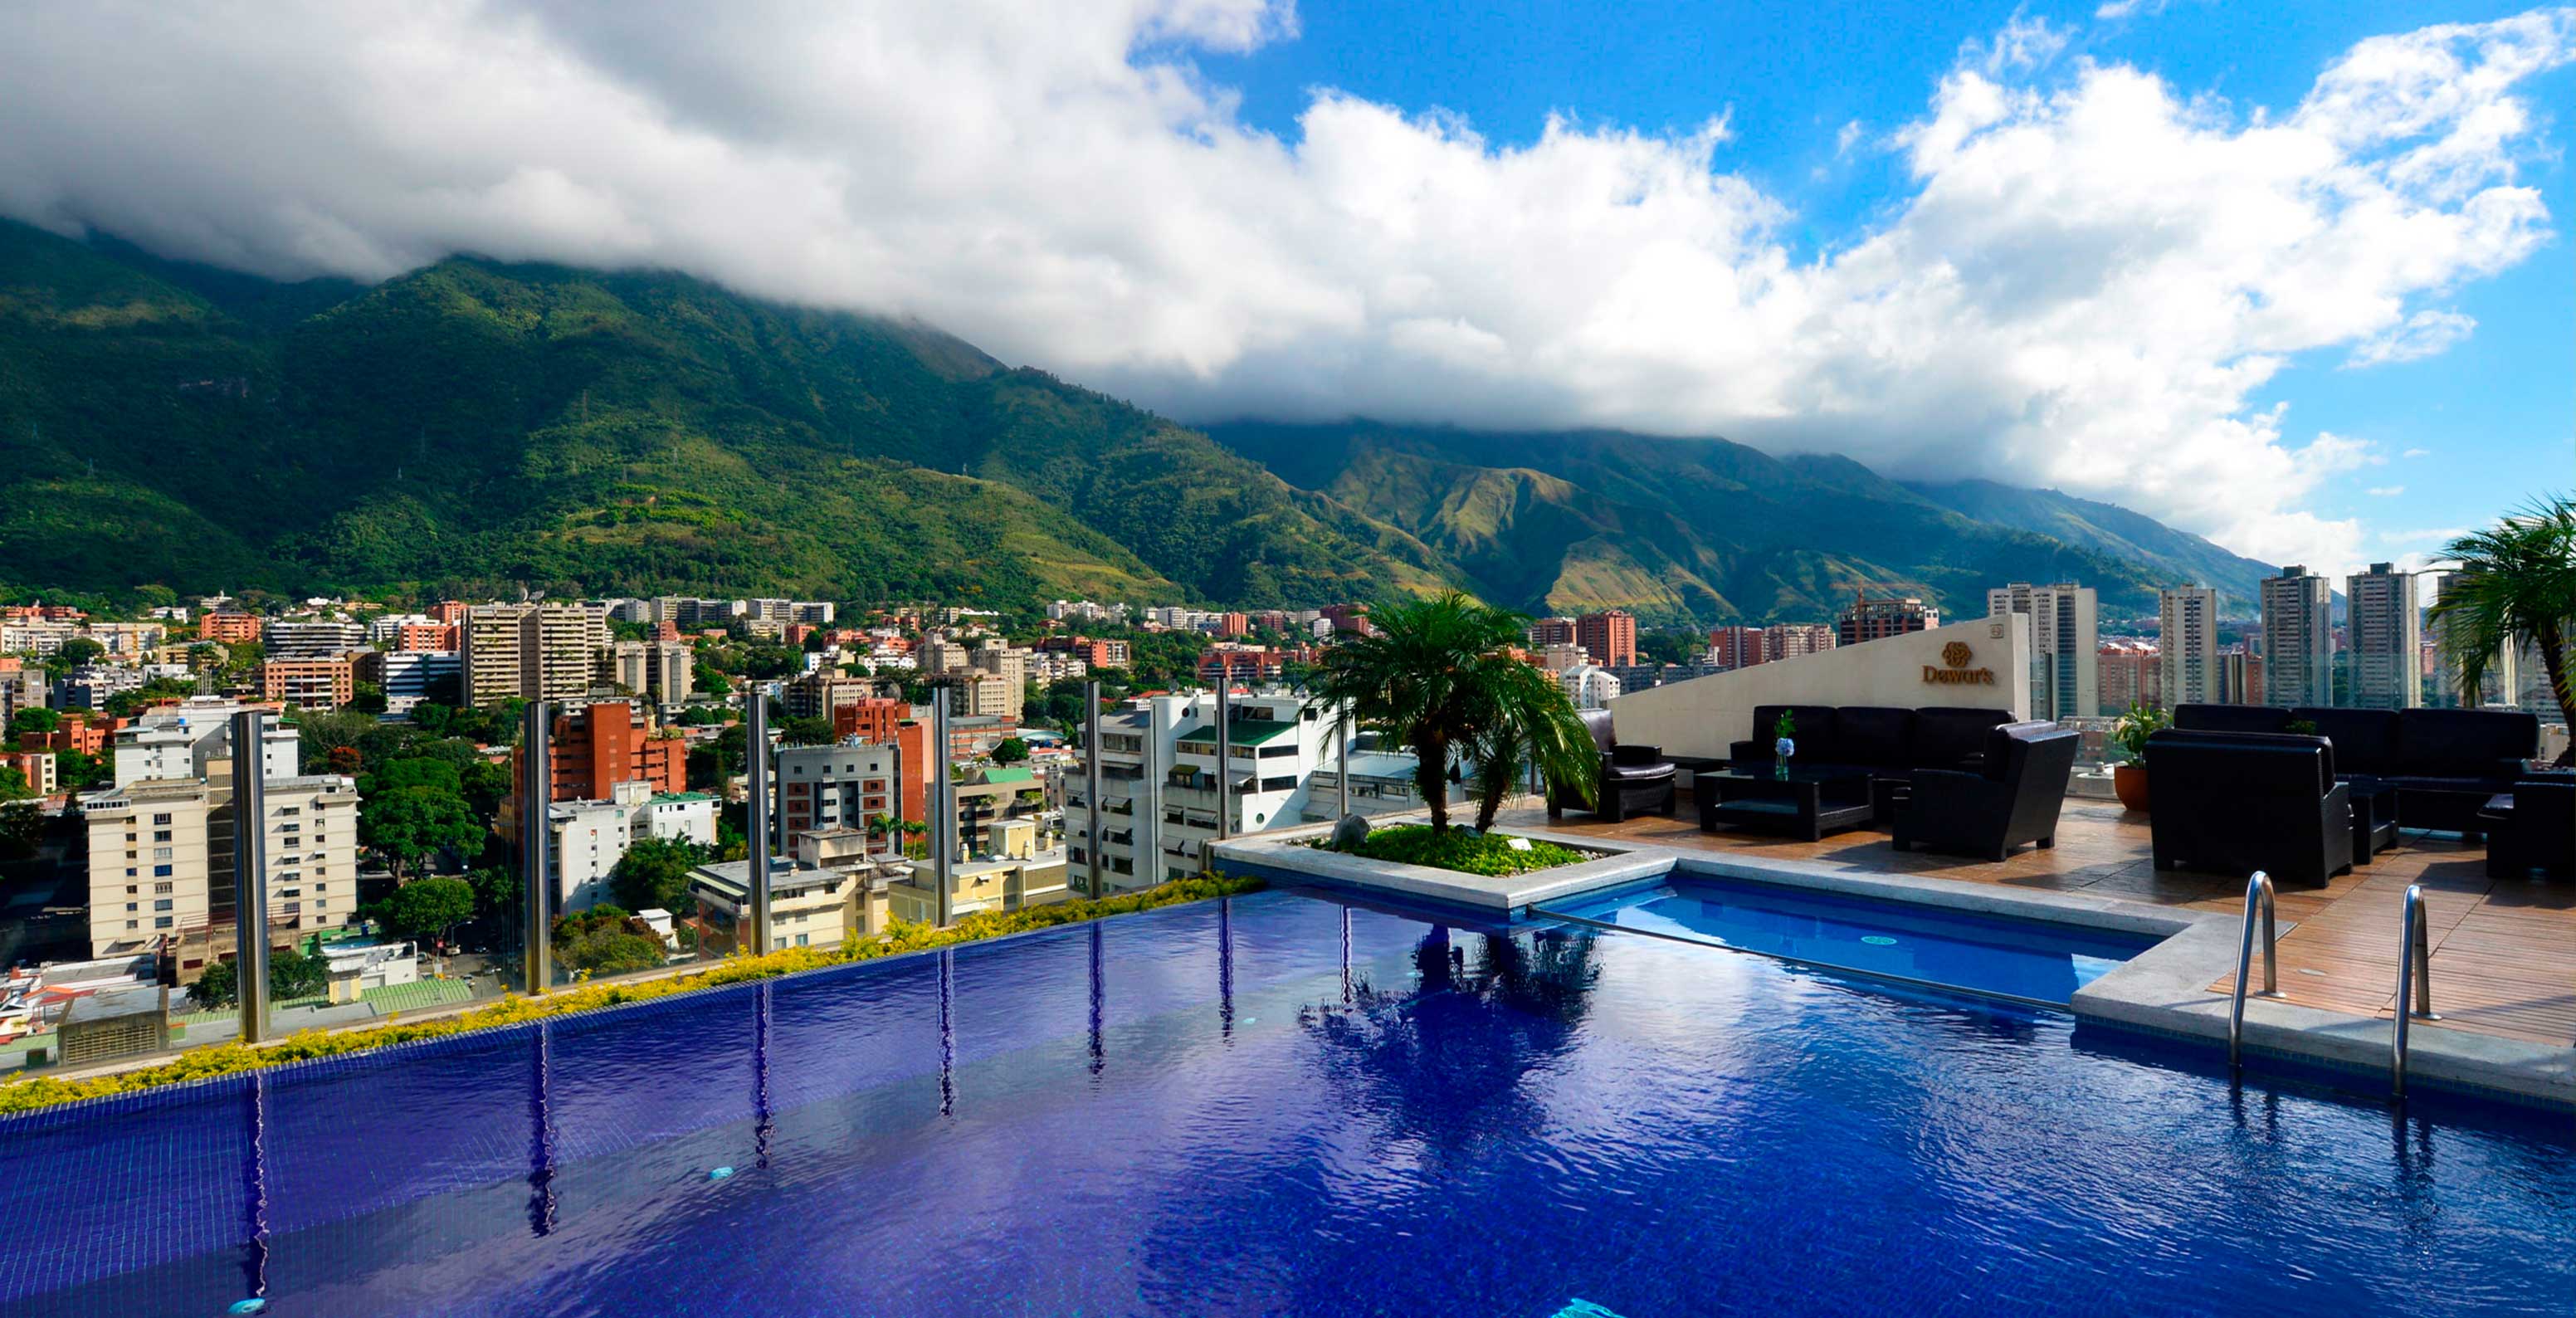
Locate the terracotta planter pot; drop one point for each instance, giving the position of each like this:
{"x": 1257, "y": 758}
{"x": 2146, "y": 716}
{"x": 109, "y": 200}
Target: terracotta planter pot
{"x": 2129, "y": 781}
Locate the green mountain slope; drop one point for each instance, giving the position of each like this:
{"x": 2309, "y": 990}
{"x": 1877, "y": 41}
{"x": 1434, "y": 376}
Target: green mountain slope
{"x": 2108, "y": 529}
{"x": 478, "y": 427}
{"x": 474, "y": 426}
{"x": 1685, "y": 528}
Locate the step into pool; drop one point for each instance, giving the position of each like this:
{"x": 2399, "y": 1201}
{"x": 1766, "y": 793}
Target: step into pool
{"x": 2027, "y": 960}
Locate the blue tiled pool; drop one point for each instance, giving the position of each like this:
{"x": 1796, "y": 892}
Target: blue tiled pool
{"x": 2039, "y": 962}
{"x": 1282, "y": 1105}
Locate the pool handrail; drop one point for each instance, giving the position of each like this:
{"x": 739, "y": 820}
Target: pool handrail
{"x": 2258, "y": 895}
{"x": 2415, "y": 978}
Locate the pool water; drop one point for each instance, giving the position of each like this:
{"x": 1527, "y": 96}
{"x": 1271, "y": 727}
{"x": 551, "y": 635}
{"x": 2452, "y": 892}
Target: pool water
{"x": 1283, "y": 1105}
{"x": 2042, "y": 962}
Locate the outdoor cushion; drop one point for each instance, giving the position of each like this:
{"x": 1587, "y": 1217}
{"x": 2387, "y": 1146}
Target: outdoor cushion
{"x": 1872, "y": 735}
{"x": 2465, "y": 743}
{"x": 2230, "y": 718}
{"x": 1946, "y": 738}
{"x": 2365, "y": 740}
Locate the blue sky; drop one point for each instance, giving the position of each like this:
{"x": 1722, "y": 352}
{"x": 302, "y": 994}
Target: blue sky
{"x": 2296, "y": 276}
{"x": 2494, "y": 415}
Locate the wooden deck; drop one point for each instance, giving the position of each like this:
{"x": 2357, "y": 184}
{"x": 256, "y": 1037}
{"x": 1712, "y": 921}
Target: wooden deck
{"x": 2504, "y": 952}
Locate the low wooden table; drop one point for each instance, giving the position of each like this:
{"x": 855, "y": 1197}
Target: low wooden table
{"x": 1806, "y": 803}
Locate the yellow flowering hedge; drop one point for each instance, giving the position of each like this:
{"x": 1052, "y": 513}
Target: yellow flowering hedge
{"x": 902, "y": 936}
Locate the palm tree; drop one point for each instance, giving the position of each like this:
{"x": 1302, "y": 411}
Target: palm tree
{"x": 1439, "y": 676}
{"x": 2516, "y": 586}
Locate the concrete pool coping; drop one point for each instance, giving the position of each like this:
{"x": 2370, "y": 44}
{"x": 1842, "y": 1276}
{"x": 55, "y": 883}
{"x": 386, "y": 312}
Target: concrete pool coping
{"x": 2163, "y": 991}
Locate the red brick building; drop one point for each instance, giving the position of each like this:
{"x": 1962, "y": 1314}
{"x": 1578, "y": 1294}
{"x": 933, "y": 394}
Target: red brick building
{"x": 1737, "y": 646}
{"x": 426, "y": 636}
{"x": 611, "y": 742}
{"x": 86, "y": 733}
{"x": 1610, "y": 637}
{"x": 874, "y": 719}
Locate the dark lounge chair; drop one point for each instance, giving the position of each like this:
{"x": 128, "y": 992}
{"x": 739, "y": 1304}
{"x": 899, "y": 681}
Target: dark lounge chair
{"x": 1635, "y": 780}
{"x": 2012, "y": 800}
{"x": 2240, "y": 802}
{"x": 2532, "y": 828}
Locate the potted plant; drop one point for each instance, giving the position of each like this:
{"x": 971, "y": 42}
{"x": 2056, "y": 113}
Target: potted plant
{"x": 1784, "y": 742}
{"x": 2130, "y": 733}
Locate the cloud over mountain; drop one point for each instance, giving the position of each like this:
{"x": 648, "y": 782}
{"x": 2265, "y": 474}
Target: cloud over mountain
{"x": 2089, "y": 280}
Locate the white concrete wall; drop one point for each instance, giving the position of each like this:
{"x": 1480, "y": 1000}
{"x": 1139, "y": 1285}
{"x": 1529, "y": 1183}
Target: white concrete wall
{"x": 1707, "y": 715}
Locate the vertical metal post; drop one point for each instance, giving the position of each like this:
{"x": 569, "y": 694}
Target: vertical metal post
{"x": 755, "y": 755}
{"x": 2414, "y": 980}
{"x": 1224, "y": 756}
{"x": 250, "y": 871}
{"x": 536, "y": 861}
{"x": 943, "y": 809}
{"x": 1091, "y": 778}
{"x": 1342, "y": 737}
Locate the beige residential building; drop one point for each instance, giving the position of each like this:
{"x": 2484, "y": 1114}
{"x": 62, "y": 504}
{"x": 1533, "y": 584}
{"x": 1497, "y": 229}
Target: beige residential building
{"x": 542, "y": 651}
{"x": 161, "y": 863}
{"x": 2187, "y": 645}
{"x": 988, "y": 695}
{"x": 807, "y": 907}
{"x": 2066, "y": 645}
{"x": 1013, "y": 872}
{"x": 2387, "y": 638}
{"x": 661, "y": 671}
{"x": 2298, "y": 638}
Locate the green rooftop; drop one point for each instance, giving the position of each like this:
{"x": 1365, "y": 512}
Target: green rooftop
{"x": 1240, "y": 732}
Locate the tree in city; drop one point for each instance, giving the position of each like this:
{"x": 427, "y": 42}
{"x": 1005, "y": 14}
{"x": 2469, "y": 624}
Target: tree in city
{"x": 1439, "y": 676}
{"x": 22, "y": 829}
{"x": 606, "y": 941}
{"x": 217, "y": 987}
{"x": 297, "y": 974}
{"x": 36, "y": 720}
{"x": 77, "y": 651}
{"x": 807, "y": 731}
{"x": 2516, "y": 587}
{"x": 14, "y": 785}
{"x": 654, "y": 874}
{"x": 428, "y": 910}
{"x": 407, "y": 826}
{"x": 1011, "y": 750}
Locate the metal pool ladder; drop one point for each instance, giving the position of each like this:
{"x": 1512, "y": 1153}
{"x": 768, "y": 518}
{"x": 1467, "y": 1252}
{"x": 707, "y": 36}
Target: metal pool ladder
{"x": 2415, "y": 978}
{"x": 2258, "y": 895}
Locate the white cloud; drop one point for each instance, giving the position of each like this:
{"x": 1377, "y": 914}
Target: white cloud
{"x": 2423, "y": 334}
{"x": 1849, "y": 137}
{"x": 2088, "y": 280}
{"x": 2416, "y": 453}
{"x": 2386, "y": 491}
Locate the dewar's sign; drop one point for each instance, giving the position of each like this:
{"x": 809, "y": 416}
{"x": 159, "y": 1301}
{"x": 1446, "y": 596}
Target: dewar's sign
{"x": 1954, "y": 670}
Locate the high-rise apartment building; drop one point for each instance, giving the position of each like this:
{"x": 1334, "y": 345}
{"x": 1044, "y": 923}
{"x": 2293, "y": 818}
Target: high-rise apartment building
{"x": 1551, "y": 631}
{"x": 1873, "y": 618}
{"x": 543, "y": 651}
{"x": 187, "y": 739}
{"x": 1735, "y": 646}
{"x": 312, "y": 640}
{"x": 608, "y": 742}
{"x": 2187, "y": 645}
{"x": 1609, "y": 636}
{"x": 2130, "y": 672}
{"x": 408, "y": 677}
{"x": 1589, "y": 686}
{"x": 161, "y": 863}
{"x": 660, "y": 671}
{"x": 2496, "y": 683}
{"x": 828, "y": 787}
{"x": 2065, "y": 645}
{"x": 2386, "y": 631}
{"x": 1158, "y": 798}
{"x": 1788, "y": 640}
{"x": 2298, "y": 638}
{"x": 320, "y": 684}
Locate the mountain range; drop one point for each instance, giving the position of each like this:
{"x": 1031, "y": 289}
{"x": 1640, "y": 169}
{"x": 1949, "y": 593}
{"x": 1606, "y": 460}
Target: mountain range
{"x": 476, "y": 426}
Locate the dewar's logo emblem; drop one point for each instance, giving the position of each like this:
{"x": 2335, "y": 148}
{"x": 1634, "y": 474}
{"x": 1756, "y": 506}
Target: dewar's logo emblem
{"x": 1955, "y": 658}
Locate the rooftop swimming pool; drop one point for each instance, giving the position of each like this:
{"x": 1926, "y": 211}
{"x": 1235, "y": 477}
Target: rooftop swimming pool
{"x": 1284, "y": 1105}
{"x": 2026, "y": 959}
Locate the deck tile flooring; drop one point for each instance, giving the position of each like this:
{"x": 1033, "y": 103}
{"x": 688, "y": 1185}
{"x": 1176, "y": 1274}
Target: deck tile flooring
{"x": 2504, "y": 951}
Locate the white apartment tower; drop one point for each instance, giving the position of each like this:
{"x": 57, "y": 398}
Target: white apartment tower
{"x": 2298, "y": 638}
{"x": 2387, "y": 638}
{"x": 2187, "y": 649}
{"x": 1158, "y": 797}
{"x": 2066, "y": 645}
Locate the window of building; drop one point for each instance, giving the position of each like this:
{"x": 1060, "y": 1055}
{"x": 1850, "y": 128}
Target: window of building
{"x": 160, "y": 871}
{"x": 160, "y": 819}
{"x": 163, "y": 922}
